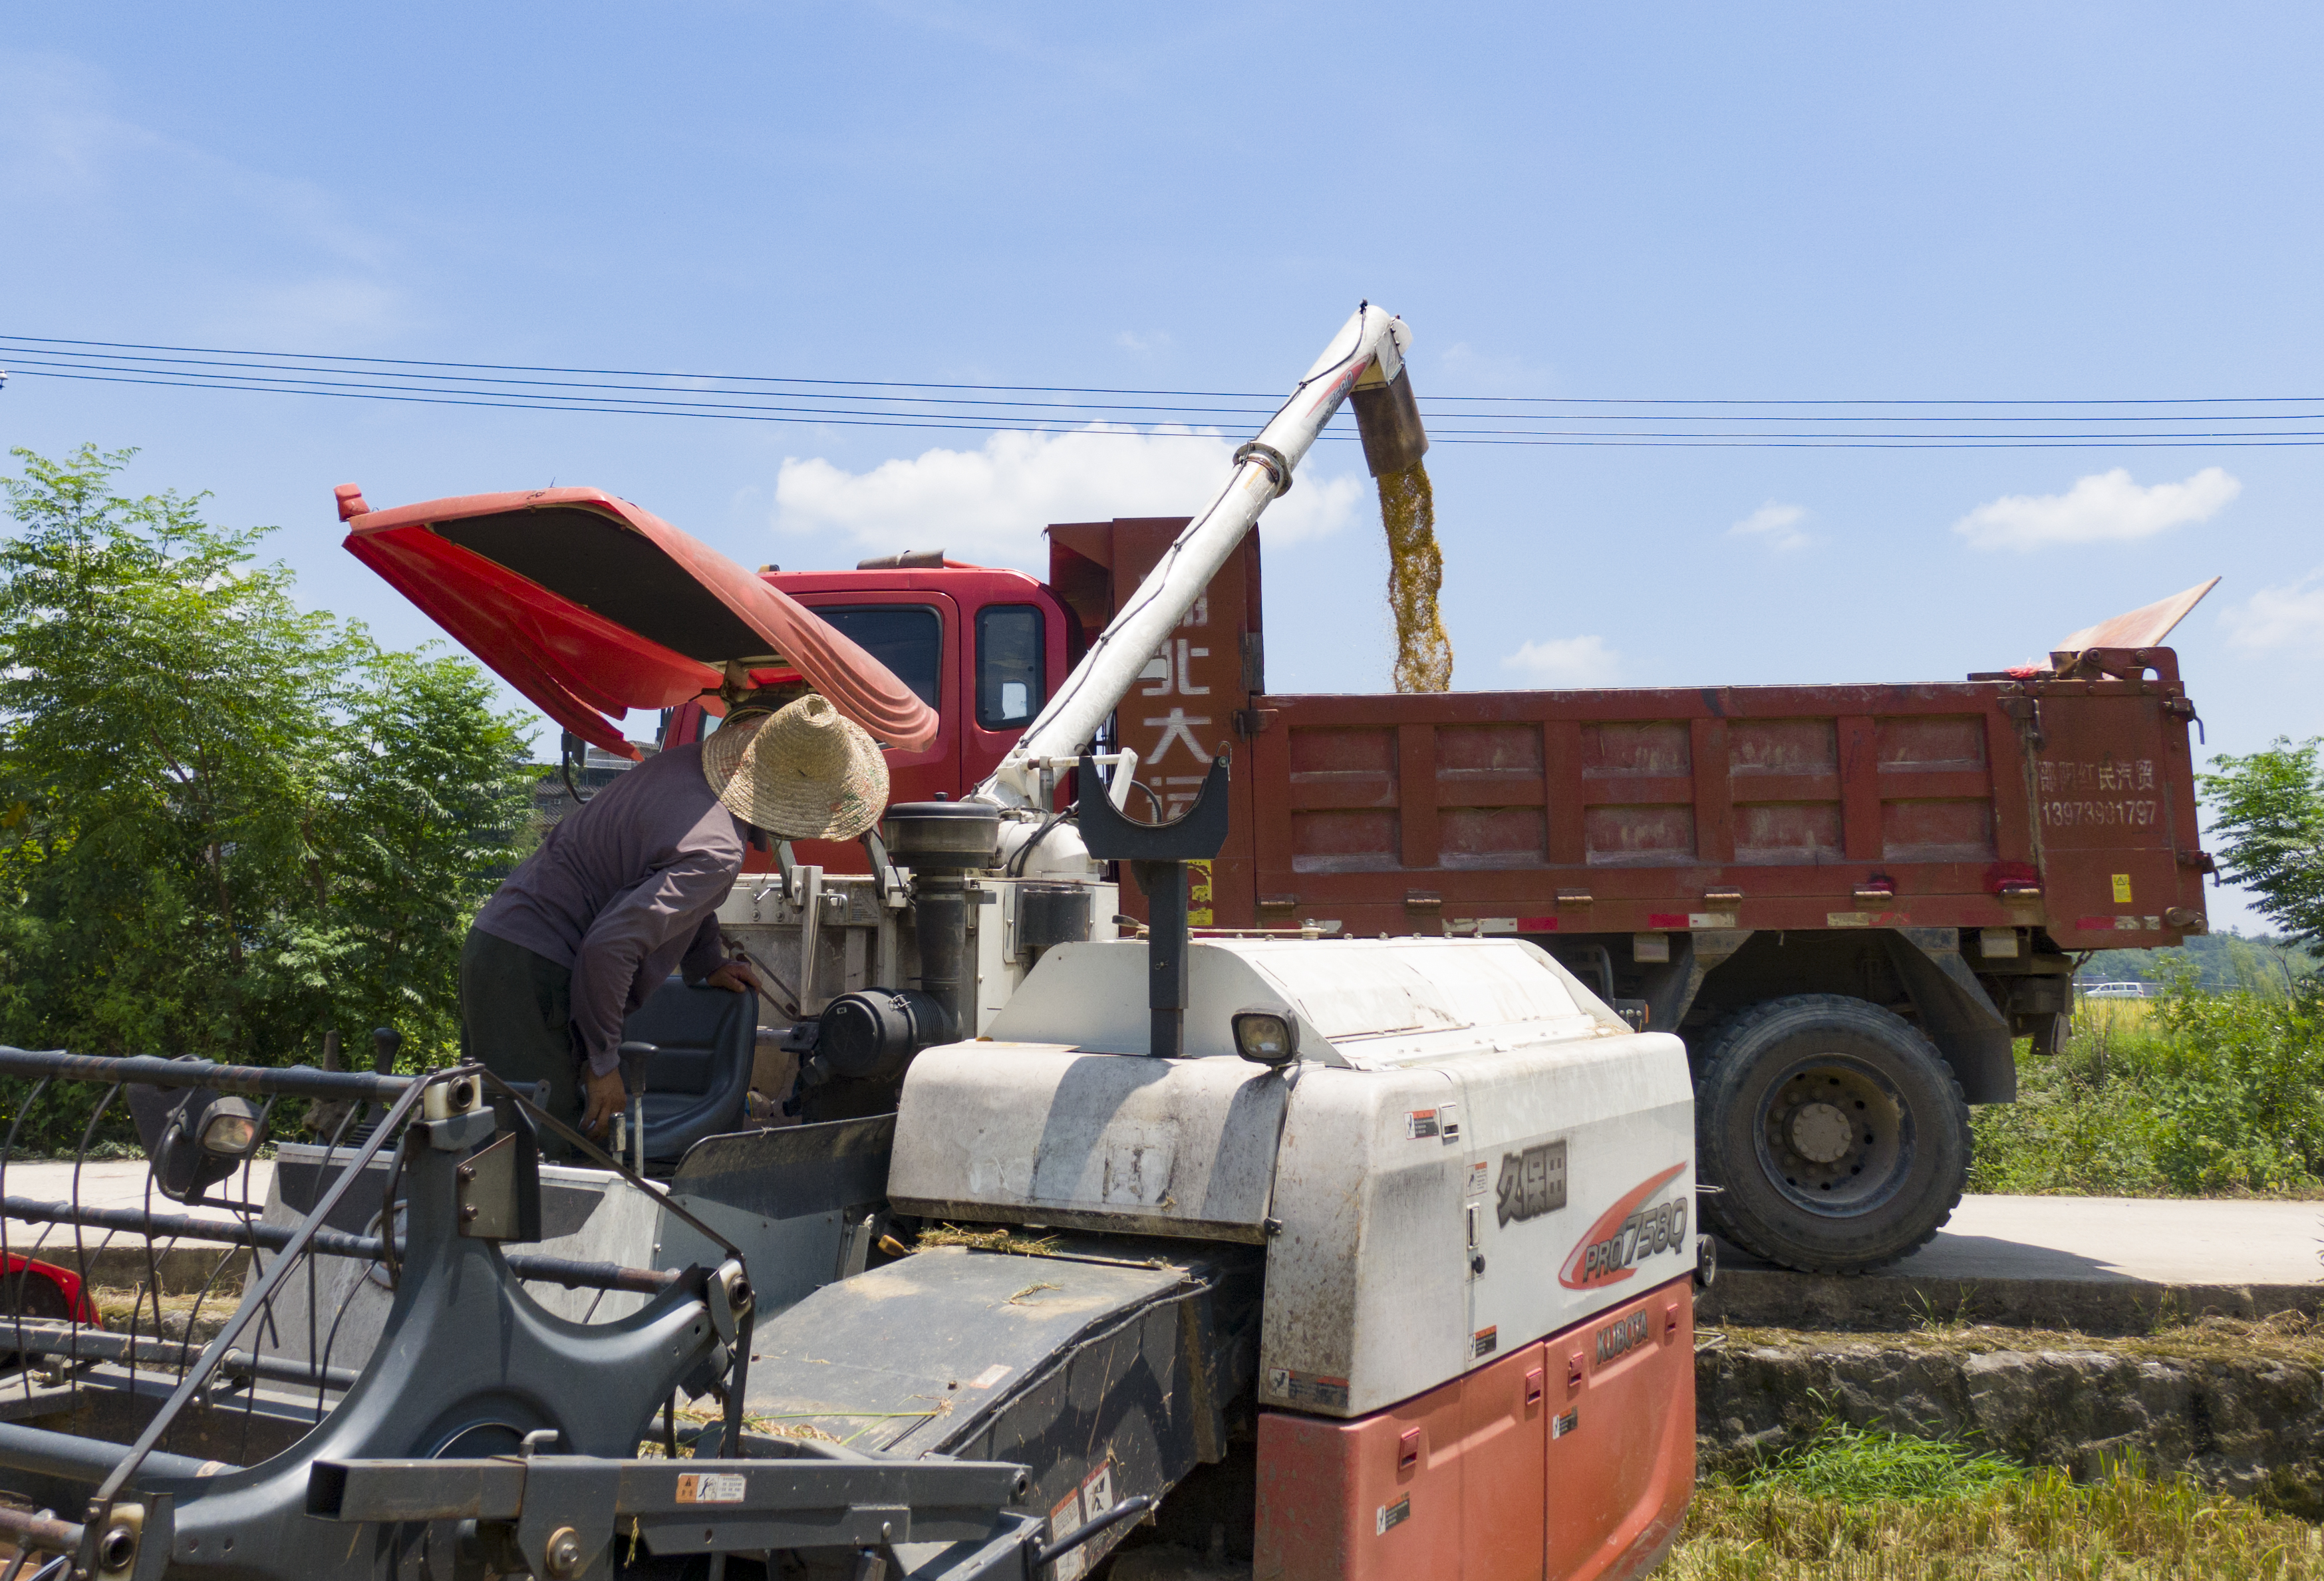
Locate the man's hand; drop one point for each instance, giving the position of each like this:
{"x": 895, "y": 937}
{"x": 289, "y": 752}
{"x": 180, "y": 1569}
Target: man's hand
{"x": 607, "y": 1098}
{"x": 734, "y": 976}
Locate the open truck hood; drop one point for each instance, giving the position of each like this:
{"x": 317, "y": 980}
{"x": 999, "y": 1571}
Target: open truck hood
{"x": 590, "y": 607}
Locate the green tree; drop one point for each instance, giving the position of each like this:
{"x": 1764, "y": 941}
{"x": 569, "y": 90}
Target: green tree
{"x": 227, "y": 823}
{"x": 2270, "y": 806}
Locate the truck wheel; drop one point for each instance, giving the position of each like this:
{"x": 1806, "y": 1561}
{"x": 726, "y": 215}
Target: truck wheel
{"x": 1835, "y": 1132}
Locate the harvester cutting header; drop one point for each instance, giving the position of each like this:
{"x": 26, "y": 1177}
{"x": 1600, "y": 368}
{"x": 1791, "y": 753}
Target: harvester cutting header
{"x": 1367, "y": 1258}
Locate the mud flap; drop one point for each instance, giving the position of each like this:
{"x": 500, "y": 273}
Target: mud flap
{"x": 1957, "y": 1014}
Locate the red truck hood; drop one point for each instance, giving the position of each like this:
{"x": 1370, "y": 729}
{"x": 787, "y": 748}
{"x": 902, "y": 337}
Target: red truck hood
{"x": 590, "y": 607}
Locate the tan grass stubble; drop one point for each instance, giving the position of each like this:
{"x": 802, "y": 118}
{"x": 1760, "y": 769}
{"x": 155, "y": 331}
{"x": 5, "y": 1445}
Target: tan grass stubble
{"x": 1415, "y": 574}
{"x": 2118, "y": 1529}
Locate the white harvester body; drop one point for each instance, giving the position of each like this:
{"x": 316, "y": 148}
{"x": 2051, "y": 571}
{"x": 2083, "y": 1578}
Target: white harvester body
{"x": 1429, "y": 1180}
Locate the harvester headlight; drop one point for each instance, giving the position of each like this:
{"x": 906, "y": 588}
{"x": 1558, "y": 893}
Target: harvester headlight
{"x": 1267, "y": 1037}
{"x": 230, "y": 1129}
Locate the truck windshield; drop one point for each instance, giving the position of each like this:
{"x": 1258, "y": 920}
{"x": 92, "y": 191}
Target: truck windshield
{"x": 908, "y": 638}
{"x": 1008, "y": 665}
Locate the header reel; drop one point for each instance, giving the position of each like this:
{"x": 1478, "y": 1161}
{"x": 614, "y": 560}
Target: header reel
{"x": 484, "y": 1435}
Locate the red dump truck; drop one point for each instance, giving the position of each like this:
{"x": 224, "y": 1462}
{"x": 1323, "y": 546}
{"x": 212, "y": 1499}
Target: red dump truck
{"x": 1849, "y": 900}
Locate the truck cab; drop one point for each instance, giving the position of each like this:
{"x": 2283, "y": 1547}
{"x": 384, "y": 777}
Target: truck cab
{"x": 982, "y": 646}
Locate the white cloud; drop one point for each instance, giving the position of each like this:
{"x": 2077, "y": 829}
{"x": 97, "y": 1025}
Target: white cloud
{"x": 1565, "y": 662}
{"x": 2290, "y": 617}
{"x": 1152, "y": 340}
{"x": 1777, "y": 525}
{"x": 2105, "y": 507}
{"x": 990, "y": 504}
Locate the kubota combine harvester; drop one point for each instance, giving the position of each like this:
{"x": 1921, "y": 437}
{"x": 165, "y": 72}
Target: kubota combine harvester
{"x": 1362, "y": 1257}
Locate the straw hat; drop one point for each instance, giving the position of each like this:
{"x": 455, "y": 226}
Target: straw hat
{"x": 804, "y": 773}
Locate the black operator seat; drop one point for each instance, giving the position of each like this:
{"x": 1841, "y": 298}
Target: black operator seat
{"x": 699, "y": 1073}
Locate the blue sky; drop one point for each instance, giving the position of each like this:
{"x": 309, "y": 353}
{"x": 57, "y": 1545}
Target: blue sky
{"x": 1789, "y": 202}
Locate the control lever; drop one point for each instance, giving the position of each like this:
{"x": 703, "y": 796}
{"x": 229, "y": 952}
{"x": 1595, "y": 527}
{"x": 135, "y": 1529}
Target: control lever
{"x": 634, "y": 1057}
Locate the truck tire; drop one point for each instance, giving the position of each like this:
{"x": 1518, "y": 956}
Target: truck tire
{"x": 1836, "y": 1134}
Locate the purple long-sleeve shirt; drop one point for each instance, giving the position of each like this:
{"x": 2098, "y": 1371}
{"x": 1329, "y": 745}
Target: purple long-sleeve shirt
{"x": 624, "y": 891}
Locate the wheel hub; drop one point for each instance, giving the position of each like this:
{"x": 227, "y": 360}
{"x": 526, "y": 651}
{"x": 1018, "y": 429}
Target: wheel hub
{"x": 1833, "y": 1136}
{"x": 1820, "y": 1133}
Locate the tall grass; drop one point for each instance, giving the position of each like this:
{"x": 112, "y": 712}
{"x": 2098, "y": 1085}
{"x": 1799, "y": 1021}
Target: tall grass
{"x": 2192, "y": 1094}
{"x": 2121, "y": 1528}
{"x": 1856, "y": 1463}
{"x": 1863, "y": 1503}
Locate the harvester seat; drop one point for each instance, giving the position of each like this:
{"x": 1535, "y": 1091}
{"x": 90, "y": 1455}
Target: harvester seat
{"x": 700, "y": 1070}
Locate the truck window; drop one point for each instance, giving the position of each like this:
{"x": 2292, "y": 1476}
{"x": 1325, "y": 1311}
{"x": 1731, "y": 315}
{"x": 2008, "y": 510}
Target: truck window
{"x": 1007, "y": 665}
{"x": 908, "y": 638}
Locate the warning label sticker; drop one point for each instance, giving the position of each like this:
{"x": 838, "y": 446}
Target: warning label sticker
{"x": 1065, "y": 1517}
{"x": 1307, "y": 1389}
{"x": 1092, "y": 1498}
{"x": 710, "y": 1487}
{"x": 1097, "y": 1492}
{"x": 1395, "y": 1515}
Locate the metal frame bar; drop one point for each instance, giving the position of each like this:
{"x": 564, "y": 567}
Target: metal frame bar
{"x": 256, "y": 1298}
{"x": 738, "y": 1373}
{"x": 568, "y": 1272}
{"x": 77, "y": 1342}
{"x": 150, "y": 1070}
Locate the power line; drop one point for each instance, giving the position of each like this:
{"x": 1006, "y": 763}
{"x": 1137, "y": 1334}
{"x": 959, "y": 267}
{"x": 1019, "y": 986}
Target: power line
{"x": 898, "y": 404}
{"x": 1220, "y": 394}
{"x": 691, "y": 385}
{"x": 1439, "y": 407}
{"x": 1617, "y": 439}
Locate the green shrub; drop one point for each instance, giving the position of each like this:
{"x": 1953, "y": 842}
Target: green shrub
{"x": 229, "y": 825}
{"x": 2210, "y": 1094}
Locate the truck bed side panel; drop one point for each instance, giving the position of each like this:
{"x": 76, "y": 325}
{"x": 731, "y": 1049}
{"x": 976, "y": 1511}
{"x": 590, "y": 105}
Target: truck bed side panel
{"x": 2056, "y": 804}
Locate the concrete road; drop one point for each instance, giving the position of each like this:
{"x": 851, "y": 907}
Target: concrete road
{"x": 2164, "y": 1241}
{"x": 118, "y": 1183}
{"x": 2106, "y": 1239}
{"x": 121, "y": 1183}
{"x": 2101, "y": 1264}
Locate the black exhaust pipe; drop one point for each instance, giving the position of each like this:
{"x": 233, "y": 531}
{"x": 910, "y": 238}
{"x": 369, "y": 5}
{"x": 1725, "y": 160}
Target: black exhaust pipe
{"x": 942, "y": 842}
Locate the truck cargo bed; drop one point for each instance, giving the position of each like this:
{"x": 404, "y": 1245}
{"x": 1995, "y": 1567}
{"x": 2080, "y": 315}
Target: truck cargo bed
{"x": 2066, "y": 805}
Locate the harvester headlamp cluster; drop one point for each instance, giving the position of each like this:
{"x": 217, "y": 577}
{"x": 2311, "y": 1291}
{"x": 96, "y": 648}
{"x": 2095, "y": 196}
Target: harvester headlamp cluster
{"x": 1267, "y": 1037}
{"x": 197, "y": 1138}
{"x": 230, "y": 1129}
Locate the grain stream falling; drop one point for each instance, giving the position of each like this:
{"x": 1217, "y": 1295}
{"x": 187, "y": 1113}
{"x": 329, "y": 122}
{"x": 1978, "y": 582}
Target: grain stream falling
{"x": 1416, "y": 572}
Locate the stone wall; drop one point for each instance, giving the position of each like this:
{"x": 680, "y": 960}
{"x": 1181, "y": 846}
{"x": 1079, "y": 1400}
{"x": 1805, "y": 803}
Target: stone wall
{"x": 2252, "y": 1425}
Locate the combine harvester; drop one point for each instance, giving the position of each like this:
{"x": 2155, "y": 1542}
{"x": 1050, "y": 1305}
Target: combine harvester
{"x": 1362, "y": 1257}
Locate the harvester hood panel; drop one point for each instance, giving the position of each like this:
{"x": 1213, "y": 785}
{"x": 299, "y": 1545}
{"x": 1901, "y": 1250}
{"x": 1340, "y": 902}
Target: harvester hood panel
{"x": 591, "y": 606}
